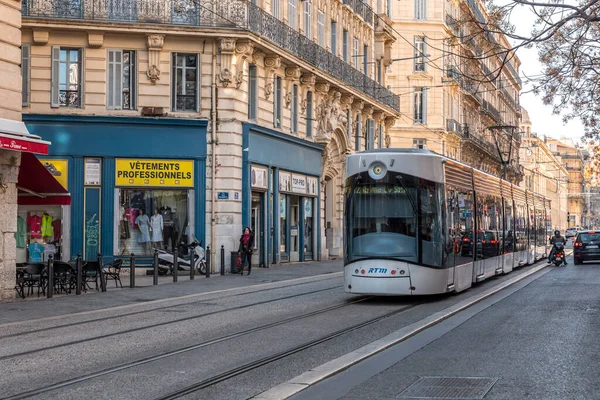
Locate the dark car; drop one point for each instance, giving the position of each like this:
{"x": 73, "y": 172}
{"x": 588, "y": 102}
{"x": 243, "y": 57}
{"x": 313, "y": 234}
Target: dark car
{"x": 586, "y": 246}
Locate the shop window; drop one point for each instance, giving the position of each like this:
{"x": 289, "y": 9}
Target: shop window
{"x": 184, "y": 84}
{"x": 39, "y": 234}
{"x": 151, "y": 219}
{"x": 252, "y": 92}
{"x": 121, "y": 85}
{"x": 25, "y": 63}
{"x": 66, "y": 77}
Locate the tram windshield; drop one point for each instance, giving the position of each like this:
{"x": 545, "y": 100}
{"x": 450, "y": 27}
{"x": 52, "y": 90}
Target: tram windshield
{"x": 392, "y": 218}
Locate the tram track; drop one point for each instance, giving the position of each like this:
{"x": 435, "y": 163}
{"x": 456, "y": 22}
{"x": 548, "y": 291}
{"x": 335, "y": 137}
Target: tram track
{"x": 113, "y": 317}
{"x": 159, "y": 324}
{"x": 233, "y": 372}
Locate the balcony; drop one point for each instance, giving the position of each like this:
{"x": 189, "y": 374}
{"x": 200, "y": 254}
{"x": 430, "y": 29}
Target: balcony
{"x": 224, "y": 14}
{"x": 470, "y": 89}
{"x": 362, "y": 9}
{"x": 453, "y": 74}
{"x": 511, "y": 101}
{"x": 452, "y": 125}
{"x": 488, "y": 108}
{"x": 452, "y": 23}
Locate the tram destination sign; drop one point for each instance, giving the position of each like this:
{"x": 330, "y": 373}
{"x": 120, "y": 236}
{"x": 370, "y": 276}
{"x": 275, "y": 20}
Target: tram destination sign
{"x": 379, "y": 189}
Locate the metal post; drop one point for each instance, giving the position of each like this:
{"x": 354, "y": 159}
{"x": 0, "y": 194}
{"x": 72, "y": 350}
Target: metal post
{"x": 79, "y": 272}
{"x": 208, "y": 261}
{"x": 192, "y": 263}
{"x": 50, "y": 289}
{"x": 101, "y": 274}
{"x": 132, "y": 271}
{"x": 175, "y": 265}
{"x": 155, "y": 267}
{"x": 222, "y": 260}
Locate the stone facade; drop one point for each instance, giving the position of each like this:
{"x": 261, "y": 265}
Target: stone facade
{"x": 451, "y": 99}
{"x": 224, "y": 98}
{"x": 10, "y": 108}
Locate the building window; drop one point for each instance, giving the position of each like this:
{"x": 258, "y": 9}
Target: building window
{"x": 309, "y": 114}
{"x": 66, "y": 77}
{"x": 355, "y": 55}
{"x": 294, "y": 110}
{"x": 334, "y": 38}
{"x": 185, "y": 82}
{"x": 357, "y": 133}
{"x": 321, "y": 28}
{"x": 349, "y": 125}
{"x": 389, "y": 8}
{"x": 380, "y": 136}
{"x": 277, "y": 109}
{"x": 292, "y": 13}
{"x": 345, "y": 51}
{"x": 419, "y": 53}
{"x": 419, "y": 106}
{"x": 366, "y": 59}
{"x": 379, "y": 72}
{"x": 121, "y": 84}
{"x": 370, "y": 142}
{"x": 420, "y": 9}
{"x": 307, "y": 19}
{"x": 419, "y": 143}
{"x": 276, "y": 9}
{"x": 25, "y": 57}
{"x": 252, "y": 91}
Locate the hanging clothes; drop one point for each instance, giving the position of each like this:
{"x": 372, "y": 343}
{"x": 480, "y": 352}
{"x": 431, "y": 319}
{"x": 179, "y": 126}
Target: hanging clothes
{"x": 57, "y": 227}
{"x": 35, "y": 226}
{"x": 47, "y": 229}
{"x": 35, "y": 252}
{"x": 21, "y": 233}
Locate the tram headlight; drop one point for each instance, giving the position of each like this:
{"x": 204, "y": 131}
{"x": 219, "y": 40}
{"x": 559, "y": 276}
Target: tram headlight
{"x": 377, "y": 170}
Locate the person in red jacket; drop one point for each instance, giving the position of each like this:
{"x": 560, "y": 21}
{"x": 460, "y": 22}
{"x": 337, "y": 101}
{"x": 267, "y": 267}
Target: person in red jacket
{"x": 245, "y": 249}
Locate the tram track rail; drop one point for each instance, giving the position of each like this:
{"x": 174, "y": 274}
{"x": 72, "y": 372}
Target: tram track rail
{"x": 113, "y": 317}
{"x": 234, "y": 372}
{"x": 159, "y": 324}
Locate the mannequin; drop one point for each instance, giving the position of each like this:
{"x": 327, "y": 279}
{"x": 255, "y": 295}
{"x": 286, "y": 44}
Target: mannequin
{"x": 168, "y": 227}
{"x": 157, "y": 225}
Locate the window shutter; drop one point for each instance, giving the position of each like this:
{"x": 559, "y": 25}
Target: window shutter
{"x": 115, "y": 80}
{"x": 174, "y": 82}
{"x": 198, "y": 83}
{"x": 133, "y": 80}
{"x": 424, "y": 103}
{"x": 25, "y": 56}
{"x": 54, "y": 92}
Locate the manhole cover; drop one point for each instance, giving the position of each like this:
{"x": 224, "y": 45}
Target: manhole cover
{"x": 448, "y": 388}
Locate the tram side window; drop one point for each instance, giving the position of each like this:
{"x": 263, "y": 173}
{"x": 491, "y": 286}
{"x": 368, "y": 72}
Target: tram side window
{"x": 531, "y": 225}
{"x": 431, "y": 226}
{"x": 452, "y": 236}
{"x": 509, "y": 229}
{"x": 521, "y": 227}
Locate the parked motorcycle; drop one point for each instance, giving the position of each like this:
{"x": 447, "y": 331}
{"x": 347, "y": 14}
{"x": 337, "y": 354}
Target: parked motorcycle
{"x": 166, "y": 259}
{"x": 559, "y": 254}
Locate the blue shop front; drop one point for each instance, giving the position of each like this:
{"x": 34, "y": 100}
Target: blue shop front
{"x": 136, "y": 183}
{"x": 281, "y": 195}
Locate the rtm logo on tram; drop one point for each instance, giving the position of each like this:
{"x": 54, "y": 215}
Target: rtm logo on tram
{"x": 377, "y": 270}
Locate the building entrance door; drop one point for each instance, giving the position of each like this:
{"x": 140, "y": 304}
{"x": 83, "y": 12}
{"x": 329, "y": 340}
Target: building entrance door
{"x": 294, "y": 228}
{"x": 257, "y": 227}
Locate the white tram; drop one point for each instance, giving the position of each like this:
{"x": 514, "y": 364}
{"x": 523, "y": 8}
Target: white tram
{"x": 417, "y": 223}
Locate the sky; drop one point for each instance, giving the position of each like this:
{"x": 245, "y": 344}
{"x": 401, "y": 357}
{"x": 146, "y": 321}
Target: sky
{"x": 543, "y": 121}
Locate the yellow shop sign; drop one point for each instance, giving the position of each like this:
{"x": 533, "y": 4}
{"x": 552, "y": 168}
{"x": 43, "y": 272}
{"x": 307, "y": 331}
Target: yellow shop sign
{"x": 169, "y": 173}
{"x": 59, "y": 170}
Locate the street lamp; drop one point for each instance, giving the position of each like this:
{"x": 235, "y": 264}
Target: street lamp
{"x": 504, "y": 151}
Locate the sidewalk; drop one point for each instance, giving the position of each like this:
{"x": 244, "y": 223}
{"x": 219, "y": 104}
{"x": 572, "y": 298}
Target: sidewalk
{"x": 34, "y": 308}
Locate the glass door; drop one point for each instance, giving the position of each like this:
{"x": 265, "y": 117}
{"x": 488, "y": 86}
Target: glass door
{"x": 283, "y": 229}
{"x": 308, "y": 228}
{"x": 257, "y": 227}
{"x": 294, "y": 228}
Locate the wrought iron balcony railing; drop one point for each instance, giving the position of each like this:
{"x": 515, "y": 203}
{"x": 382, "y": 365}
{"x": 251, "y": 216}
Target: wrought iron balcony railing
{"x": 362, "y": 9}
{"x": 487, "y": 107}
{"x": 471, "y": 88}
{"x": 452, "y": 24}
{"x": 452, "y": 125}
{"x": 226, "y": 14}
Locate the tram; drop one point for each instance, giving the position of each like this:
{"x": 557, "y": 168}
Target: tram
{"x": 417, "y": 223}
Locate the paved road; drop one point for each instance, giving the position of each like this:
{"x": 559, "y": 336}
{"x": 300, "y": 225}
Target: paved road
{"x": 538, "y": 342}
{"x": 176, "y": 342}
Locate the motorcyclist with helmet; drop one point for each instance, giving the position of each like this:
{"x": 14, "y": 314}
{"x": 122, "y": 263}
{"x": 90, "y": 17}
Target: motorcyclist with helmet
{"x": 554, "y": 239}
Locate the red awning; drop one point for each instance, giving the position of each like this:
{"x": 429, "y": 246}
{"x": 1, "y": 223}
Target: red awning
{"x": 15, "y": 136}
{"x": 37, "y": 186}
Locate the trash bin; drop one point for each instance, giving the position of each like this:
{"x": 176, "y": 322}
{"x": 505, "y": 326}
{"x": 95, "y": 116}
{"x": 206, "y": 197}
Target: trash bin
{"x": 234, "y": 267}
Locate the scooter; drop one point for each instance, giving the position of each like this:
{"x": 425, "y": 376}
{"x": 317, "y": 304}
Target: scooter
{"x": 559, "y": 254}
{"x": 166, "y": 259}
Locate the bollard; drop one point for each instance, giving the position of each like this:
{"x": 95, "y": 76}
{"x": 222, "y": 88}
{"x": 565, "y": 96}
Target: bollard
{"x": 132, "y": 271}
{"x": 175, "y": 265}
{"x": 155, "y": 267}
{"x": 78, "y": 270}
{"x": 208, "y": 261}
{"x": 192, "y": 263}
{"x": 222, "y": 260}
{"x": 100, "y": 273}
{"x": 50, "y": 290}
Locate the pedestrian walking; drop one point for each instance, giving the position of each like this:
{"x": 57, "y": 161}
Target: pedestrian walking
{"x": 245, "y": 250}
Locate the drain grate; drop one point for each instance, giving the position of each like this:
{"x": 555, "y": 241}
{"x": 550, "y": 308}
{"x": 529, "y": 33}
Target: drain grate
{"x": 448, "y": 388}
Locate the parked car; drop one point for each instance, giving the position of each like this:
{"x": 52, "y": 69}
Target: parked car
{"x": 586, "y": 246}
{"x": 572, "y": 231}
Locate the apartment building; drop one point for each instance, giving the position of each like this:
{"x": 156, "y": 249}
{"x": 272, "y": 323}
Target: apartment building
{"x": 458, "y": 98}
{"x": 215, "y": 114}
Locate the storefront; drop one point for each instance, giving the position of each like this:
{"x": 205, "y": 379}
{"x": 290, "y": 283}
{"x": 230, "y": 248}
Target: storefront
{"x": 135, "y": 183}
{"x": 281, "y": 195}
